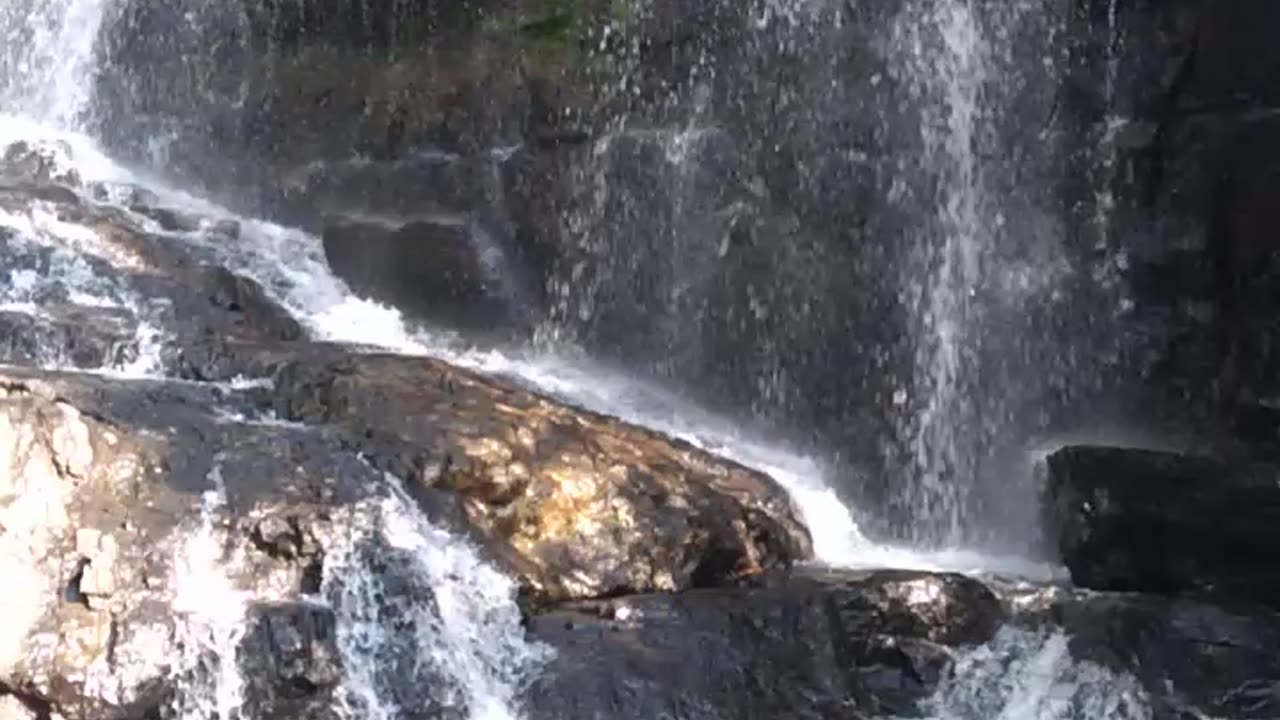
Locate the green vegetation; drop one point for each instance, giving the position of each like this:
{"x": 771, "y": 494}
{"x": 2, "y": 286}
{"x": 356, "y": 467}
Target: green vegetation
{"x": 571, "y": 23}
{"x": 557, "y": 22}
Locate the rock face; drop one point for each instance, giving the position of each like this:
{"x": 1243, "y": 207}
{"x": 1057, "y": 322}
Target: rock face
{"x": 1192, "y": 659}
{"x": 1196, "y": 183}
{"x": 106, "y": 532}
{"x": 588, "y": 505}
{"x": 434, "y": 269}
{"x": 816, "y": 645}
{"x": 1143, "y": 521}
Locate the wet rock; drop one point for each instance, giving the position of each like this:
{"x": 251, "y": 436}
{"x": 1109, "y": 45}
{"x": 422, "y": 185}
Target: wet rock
{"x": 1191, "y": 658}
{"x": 813, "y": 645}
{"x": 1157, "y": 522}
{"x": 424, "y": 181}
{"x": 432, "y": 269}
{"x": 37, "y": 164}
{"x": 248, "y": 303}
{"x": 68, "y": 336}
{"x": 105, "y": 486}
{"x": 583, "y": 505}
{"x": 290, "y": 658}
{"x": 170, "y": 219}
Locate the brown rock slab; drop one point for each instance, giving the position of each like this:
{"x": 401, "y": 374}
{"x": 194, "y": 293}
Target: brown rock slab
{"x": 585, "y": 505}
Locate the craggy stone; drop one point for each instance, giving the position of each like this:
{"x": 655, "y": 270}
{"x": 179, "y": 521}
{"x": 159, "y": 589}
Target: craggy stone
{"x": 587, "y": 505}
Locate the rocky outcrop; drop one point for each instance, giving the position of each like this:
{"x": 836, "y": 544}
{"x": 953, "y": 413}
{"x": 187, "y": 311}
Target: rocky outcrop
{"x": 112, "y": 536}
{"x": 1194, "y": 173}
{"x": 1158, "y": 522}
{"x": 818, "y": 644}
{"x": 589, "y": 506}
{"x": 437, "y": 269}
{"x": 159, "y": 529}
{"x": 1193, "y": 659}
{"x": 233, "y": 514}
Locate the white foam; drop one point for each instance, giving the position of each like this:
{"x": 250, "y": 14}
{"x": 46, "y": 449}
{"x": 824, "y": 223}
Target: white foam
{"x": 452, "y": 613}
{"x": 1030, "y": 675}
{"x": 209, "y": 615}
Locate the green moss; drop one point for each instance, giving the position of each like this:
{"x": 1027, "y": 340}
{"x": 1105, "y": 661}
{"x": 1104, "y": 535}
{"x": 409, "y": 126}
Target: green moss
{"x": 557, "y": 22}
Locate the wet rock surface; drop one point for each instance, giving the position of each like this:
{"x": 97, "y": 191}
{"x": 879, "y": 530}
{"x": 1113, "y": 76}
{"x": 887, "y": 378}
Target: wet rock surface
{"x": 1158, "y": 522}
{"x": 435, "y": 269}
{"x": 207, "y": 478}
{"x": 588, "y": 505}
{"x": 1192, "y": 658}
{"x": 813, "y": 645}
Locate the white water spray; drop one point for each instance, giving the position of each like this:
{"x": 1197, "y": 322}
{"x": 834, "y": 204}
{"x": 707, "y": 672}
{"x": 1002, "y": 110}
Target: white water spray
{"x": 1023, "y": 674}
{"x": 47, "y": 59}
{"x": 946, "y": 58}
{"x": 422, "y": 619}
{"x": 210, "y": 618}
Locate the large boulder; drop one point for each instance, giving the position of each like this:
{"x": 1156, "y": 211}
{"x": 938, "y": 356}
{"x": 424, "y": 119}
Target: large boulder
{"x": 172, "y": 551}
{"x": 814, "y": 645}
{"x": 127, "y": 513}
{"x": 445, "y": 270}
{"x": 1160, "y": 522}
{"x": 584, "y": 504}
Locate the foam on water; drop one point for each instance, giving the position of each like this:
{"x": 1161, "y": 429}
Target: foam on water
{"x": 1029, "y": 674}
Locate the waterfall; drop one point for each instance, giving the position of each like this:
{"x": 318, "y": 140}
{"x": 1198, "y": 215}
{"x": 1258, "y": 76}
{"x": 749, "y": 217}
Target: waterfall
{"x": 1025, "y": 673}
{"x": 47, "y": 60}
{"x": 945, "y": 54}
{"x": 210, "y": 618}
{"x": 424, "y": 623}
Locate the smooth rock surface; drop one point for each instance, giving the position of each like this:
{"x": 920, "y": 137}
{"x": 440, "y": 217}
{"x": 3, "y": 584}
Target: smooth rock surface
{"x": 435, "y": 269}
{"x": 1158, "y": 522}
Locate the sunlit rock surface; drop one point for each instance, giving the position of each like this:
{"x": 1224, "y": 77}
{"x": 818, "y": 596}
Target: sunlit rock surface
{"x": 588, "y": 506}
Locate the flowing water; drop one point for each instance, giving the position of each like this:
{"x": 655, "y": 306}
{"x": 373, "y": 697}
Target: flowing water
{"x": 946, "y": 57}
{"x": 455, "y": 620}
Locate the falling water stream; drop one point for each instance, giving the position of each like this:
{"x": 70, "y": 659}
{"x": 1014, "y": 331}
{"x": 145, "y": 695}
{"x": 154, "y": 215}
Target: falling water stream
{"x": 469, "y": 636}
{"x": 945, "y": 52}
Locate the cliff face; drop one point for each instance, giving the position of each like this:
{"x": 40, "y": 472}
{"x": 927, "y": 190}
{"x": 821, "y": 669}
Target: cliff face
{"x": 1198, "y": 184}
{"x": 734, "y": 196}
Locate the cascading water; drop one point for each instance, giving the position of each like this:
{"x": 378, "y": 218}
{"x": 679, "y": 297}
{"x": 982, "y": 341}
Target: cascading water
{"x": 210, "y": 618}
{"x": 48, "y": 57}
{"x": 462, "y": 649}
{"x": 946, "y": 56}
{"x": 453, "y": 621}
{"x": 1031, "y": 674}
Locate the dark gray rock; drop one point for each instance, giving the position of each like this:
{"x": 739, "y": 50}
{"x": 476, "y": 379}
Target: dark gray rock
{"x": 1158, "y": 522}
{"x": 815, "y": 645}
{"x": 437, "y": 269}
{"x": 1191, "y": 658}
{"x": 37, "y": 164}
{"x": 290, "y": 658}
{"x": 168, "y": 218}
{"x": 68, "y": 336}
